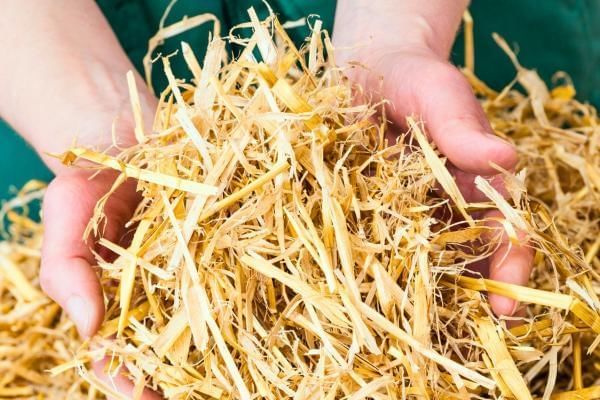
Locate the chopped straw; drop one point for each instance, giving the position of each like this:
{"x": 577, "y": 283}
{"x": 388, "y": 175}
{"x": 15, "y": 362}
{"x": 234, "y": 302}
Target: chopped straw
{"x": 282, "y": 249}
{"x": 35, "y": 335}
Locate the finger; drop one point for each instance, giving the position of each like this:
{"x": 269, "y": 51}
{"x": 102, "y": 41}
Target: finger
{"x": 510, "y": 263}
{"x": 120, "y": 383}
{"x": 458, "y": 125}
{"x": 466, "y": 183}
{"x": 440, "y": 94}
{"x": 66, "y": 273}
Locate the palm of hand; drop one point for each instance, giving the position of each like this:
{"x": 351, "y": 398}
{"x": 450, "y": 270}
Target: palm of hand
{"x": 418, "y": 82}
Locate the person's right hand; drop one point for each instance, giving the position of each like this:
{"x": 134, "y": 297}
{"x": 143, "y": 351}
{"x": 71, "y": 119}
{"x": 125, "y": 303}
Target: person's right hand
{"x": 66, "y": 83}
{"x": 68, "y": 274}
{"x": 67, "y": 271}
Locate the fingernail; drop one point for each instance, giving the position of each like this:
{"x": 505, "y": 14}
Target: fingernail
{"x": 511, "y": 309}
{"x": 79, "y": 312}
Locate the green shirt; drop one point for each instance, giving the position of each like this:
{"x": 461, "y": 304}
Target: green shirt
{"x": 550, "y": 35}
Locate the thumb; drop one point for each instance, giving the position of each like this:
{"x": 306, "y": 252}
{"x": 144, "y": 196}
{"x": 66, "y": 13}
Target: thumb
{"x": 439, "y": 93}
{"x": 66, "y": 274}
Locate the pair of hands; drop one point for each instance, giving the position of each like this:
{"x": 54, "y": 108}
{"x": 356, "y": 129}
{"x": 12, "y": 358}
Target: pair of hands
{"x": 408, "y": 45}
{"x": 418, "y": 80}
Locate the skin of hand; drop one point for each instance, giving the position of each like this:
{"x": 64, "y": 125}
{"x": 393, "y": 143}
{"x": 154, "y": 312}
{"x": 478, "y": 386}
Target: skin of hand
{"x": 66, "y": 80}
{"x": 408, "y": 43}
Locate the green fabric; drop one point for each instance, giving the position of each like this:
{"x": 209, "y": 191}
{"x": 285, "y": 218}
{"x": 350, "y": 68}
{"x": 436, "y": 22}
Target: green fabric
{"x": 551, "y": 35}
{"x": 18, "y": 163}
{"x": 135, "y": 21}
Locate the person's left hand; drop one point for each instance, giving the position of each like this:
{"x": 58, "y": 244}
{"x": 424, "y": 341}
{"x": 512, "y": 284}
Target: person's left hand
{"x": 407, "y": 64}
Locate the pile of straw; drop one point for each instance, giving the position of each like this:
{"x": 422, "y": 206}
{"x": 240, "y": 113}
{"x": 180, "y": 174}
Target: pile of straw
{"x": 283, "y": 249}
{"x": 35, "y": 335}
{"x": 558, "y": 139}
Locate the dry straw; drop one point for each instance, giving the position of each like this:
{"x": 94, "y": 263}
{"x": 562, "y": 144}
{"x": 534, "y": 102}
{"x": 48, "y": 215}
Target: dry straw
{"x": 282, "y": 249}
{"x": 35, "y": 334}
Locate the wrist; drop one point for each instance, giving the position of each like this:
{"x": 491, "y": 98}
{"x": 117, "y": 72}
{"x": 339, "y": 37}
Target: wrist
{"x": 66, "y": 80}
{"x": 362, "y": 27}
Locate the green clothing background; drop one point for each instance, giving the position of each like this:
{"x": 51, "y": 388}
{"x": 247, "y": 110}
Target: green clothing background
{"x": 551, "y": 35}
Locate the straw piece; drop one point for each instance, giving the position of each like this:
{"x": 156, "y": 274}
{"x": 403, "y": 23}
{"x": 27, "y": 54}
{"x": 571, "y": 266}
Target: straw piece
{"x": 501, "y": 359}
{"x": 450, "y": 365}
{"x": 128, "y": 281}
{"x": 238, "y": 195}
{"x": 509, "y": 212}
{"x": 130, "y": 171}
{"x": 174, "y": 30}
{"x": 469, "y": 42}
{"x": 536, "y": 296}
{"x": 587, "y": 393}
{"x": 136, "y": 107}
{"x": 439, "y": 170}
{"x": 517, "y": 292}
{"x": 13, "y": 274}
